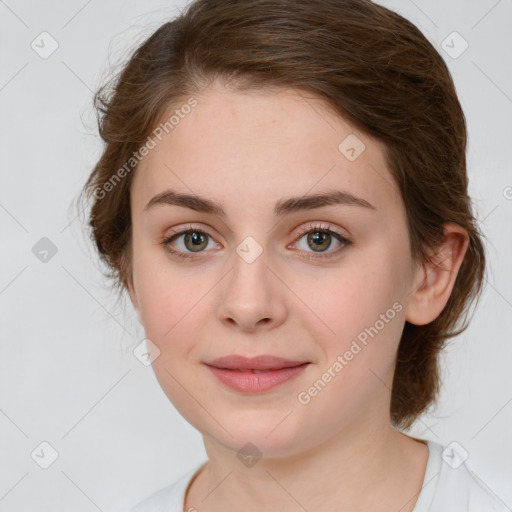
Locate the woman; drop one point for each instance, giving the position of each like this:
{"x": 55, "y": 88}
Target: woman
{"x": 283, "y": 194}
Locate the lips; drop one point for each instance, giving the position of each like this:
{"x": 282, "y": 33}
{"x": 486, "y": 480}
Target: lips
{"x": 255, "y": 375}
{"x": 258, "y": 364}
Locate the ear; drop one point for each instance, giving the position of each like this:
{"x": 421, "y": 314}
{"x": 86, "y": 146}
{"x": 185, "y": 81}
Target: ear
{"x": 125, "y": 265}
{"x": 133, "y": 297}
{"x": 433, "y": 282}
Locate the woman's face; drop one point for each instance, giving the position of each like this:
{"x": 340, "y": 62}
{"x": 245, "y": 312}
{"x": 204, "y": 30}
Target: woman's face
{"x": 266, "y": 277}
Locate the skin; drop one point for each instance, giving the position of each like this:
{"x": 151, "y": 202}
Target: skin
{"x": 247, "y": 151}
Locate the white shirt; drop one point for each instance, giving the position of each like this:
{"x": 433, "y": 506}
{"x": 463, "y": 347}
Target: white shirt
{"x": 448, "y": 486}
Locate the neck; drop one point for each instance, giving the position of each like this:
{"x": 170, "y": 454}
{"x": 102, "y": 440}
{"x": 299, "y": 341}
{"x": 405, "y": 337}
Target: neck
{"x": 355, "y": 469}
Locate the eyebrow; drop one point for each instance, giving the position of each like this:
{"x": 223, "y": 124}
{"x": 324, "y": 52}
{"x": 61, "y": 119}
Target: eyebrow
{"x": 281, "y": 208}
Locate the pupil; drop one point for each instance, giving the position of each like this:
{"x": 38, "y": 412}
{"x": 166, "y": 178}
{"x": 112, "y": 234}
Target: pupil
{"x": 319, "y": 238}
{"x": 196, "y": 238}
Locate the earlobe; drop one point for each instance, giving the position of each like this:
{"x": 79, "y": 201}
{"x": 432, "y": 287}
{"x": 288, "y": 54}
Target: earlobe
{"x": 437, "y": 277}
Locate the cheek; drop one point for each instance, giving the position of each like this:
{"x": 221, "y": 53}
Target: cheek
{"x": 166, "y": 292}
{"x": 356, "y": 313}
{"x": 349, "y": 299}
{"x": 168, "y": 306}
{"x": 175, "y": 310}
{"x": 361, "y": 323}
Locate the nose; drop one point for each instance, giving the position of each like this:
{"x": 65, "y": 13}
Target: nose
{"x": 252, "y": 297}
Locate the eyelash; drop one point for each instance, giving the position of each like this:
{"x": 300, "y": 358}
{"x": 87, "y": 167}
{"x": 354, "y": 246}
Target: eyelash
{"x": 312, "y": 228}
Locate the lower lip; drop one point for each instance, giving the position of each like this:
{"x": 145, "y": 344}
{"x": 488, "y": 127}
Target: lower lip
{"x": 255, "y": 382}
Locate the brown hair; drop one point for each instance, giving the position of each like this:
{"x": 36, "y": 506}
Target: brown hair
{"x": 373, "y": 67}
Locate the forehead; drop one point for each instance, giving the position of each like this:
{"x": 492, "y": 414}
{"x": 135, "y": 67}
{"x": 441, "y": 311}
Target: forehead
{"x": 266, "y": 145}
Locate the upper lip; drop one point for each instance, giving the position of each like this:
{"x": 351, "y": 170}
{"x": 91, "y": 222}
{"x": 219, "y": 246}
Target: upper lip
{"x": 262, "y": 362}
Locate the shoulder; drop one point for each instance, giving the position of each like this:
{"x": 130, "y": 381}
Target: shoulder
{"x": 457, "y": 486}
{"x": 170, "y": 498}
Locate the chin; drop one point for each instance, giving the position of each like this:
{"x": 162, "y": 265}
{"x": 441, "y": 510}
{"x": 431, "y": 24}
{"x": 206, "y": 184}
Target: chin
{"x": 269, "y": 439}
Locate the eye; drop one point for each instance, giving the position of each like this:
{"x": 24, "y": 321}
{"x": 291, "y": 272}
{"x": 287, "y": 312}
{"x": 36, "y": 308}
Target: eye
{"x": 319, "y": 239}
{"x": 191, "y": 240}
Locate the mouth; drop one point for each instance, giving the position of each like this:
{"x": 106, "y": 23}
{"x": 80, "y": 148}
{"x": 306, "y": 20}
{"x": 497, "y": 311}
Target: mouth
{"x": 250, "y": 370}
{"x": 259, "y": 364}
{"x": 252, "y": 380}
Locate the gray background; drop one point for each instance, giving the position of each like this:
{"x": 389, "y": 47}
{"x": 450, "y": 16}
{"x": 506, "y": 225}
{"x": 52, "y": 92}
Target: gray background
{"x": 67, "y": 373}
